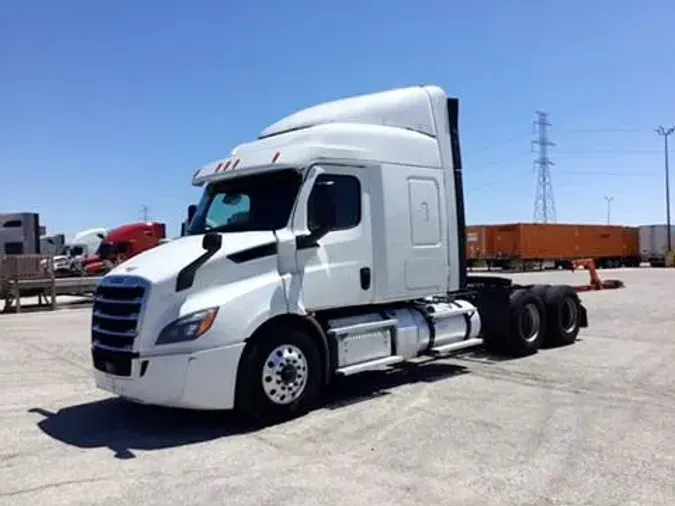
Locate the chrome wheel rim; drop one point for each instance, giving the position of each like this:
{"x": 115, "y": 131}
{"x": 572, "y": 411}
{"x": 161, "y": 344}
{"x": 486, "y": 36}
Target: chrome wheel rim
{"x": 569, "y": 315}
{"x": 284, "y": 375}
{"x": 530, "y": 323}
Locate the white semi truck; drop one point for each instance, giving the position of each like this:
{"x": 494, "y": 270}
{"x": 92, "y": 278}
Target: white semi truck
{"x": 654, "y": 243}
{"x": 332, "y": 244}
{"x": 84, "y": 243}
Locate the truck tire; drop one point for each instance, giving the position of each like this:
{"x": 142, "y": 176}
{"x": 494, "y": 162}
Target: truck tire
{"x": 527, "y": 322}
{"x": 540, "y": 290}
{"x": 562, "y": 315}
{"x": 280, "y": 377}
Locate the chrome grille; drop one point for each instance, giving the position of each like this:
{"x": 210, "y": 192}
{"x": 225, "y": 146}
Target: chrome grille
{"x": 116, "y": 313}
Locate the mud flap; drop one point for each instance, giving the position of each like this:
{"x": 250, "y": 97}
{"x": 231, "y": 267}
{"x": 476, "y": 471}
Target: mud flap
{"x": 583, "y": 316}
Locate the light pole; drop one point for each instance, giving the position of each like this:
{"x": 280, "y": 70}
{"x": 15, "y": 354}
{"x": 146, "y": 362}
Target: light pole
{"x": 609, "y": 208}
{"x": 665, "y": 132}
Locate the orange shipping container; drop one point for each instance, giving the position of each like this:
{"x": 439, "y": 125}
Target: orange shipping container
{"x": 477, "y": 242}
{"x": 529, "y": 241}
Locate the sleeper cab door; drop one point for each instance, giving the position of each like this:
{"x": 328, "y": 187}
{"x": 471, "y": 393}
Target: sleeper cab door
{"x": 335, "y": 262}
{"x": 425, "y": 257}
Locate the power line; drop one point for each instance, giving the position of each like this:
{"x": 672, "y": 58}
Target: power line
{"x": 572, "y": 174}
{"x": 544, "y": 205}
{"x": 472, "y": 170}
{"x": 608, "y": 151}
{"x": 630, "y": 130}
{"x": 605, "y": 173}
{"x": 507, "y": 142}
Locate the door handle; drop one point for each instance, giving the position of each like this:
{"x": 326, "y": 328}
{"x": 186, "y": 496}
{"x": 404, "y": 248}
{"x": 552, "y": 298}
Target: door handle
{"x": 365, "y": 276}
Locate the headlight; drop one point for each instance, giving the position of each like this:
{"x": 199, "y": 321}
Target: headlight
{"x": 188, "y": 328}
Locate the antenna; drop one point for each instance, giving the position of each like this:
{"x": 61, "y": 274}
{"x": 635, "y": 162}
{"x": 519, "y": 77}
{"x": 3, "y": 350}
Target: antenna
{"x": 544, "y": 205}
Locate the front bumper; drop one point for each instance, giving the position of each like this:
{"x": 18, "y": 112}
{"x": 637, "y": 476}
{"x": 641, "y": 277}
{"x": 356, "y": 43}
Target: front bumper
{"x": 201, "y": 380}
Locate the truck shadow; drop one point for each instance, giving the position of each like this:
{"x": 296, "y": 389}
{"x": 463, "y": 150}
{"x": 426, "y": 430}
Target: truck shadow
{"x": 123, "y": 426}
{"x": 372, "y": 384}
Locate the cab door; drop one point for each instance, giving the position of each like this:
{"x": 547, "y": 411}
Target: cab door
{"x": 335, "y": 270}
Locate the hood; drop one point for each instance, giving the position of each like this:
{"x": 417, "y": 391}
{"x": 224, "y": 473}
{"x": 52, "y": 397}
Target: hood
{"x": 163, "y": 262}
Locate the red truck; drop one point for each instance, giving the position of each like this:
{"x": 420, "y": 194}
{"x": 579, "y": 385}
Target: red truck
{"x": 123, "y": 243}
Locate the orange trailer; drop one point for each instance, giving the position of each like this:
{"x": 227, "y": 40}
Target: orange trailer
{"x": 608, "y": 245}
{"x": 478, "y": 245}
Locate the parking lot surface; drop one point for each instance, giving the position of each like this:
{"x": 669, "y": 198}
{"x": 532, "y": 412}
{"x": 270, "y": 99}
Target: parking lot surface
{"x": 588, "y": 424}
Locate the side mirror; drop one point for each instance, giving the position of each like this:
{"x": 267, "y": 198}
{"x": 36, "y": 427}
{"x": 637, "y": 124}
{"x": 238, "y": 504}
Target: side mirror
{"x": 191, "y": 210}
{"x": 322, "y": 215}
{"x": 323, "y": 210}
{"x": 212, "y": 242}
{"x": 320, "y": 230}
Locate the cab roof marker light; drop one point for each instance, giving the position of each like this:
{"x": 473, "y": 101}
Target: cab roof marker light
{"x": 236, "y": 162}
{"x": 276, "y": 156}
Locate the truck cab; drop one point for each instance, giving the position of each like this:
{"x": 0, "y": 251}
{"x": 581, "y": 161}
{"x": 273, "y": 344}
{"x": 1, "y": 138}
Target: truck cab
{"x": 77, "y": 249}
{"x": 332, "y": 244}
{"x": 123, "y": 243}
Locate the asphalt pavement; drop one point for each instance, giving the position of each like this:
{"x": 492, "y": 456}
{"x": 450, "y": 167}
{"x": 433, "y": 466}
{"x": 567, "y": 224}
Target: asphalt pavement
{"x": 589, "y": 424}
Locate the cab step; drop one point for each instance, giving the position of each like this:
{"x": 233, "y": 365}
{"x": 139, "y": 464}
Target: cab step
{"x": 370, "y": 364}
{"x": 460, "y": 345}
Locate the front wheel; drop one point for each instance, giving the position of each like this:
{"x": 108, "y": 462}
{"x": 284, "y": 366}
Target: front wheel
{"x": 280, "y": 376}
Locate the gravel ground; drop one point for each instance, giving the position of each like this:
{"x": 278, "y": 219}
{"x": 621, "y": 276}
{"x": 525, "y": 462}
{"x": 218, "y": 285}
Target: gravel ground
{"x": 589, "y": 424}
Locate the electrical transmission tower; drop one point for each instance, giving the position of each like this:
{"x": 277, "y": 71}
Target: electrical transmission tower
{"x": 145, "y": 216}
{"x": 544, "y": 205}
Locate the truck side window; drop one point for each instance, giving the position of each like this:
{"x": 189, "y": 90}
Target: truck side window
{"x": 346, "y": 191}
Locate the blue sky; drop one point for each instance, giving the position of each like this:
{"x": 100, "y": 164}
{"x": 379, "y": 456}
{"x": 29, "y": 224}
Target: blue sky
{"x": 109, "y": 106}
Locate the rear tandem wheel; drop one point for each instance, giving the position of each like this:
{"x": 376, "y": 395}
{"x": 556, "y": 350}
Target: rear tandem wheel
{"x": 561, "y": 303}
{"x": 527, "y": 322}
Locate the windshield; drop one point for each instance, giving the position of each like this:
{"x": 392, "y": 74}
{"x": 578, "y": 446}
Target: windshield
{"x": 246, "y": 204}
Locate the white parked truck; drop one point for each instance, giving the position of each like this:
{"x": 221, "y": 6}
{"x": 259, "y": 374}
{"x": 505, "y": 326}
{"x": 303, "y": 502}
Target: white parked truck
{"x": 332, "y": 244}
{"x": 654, "y": 243}
{"x": 84, "y": 243}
